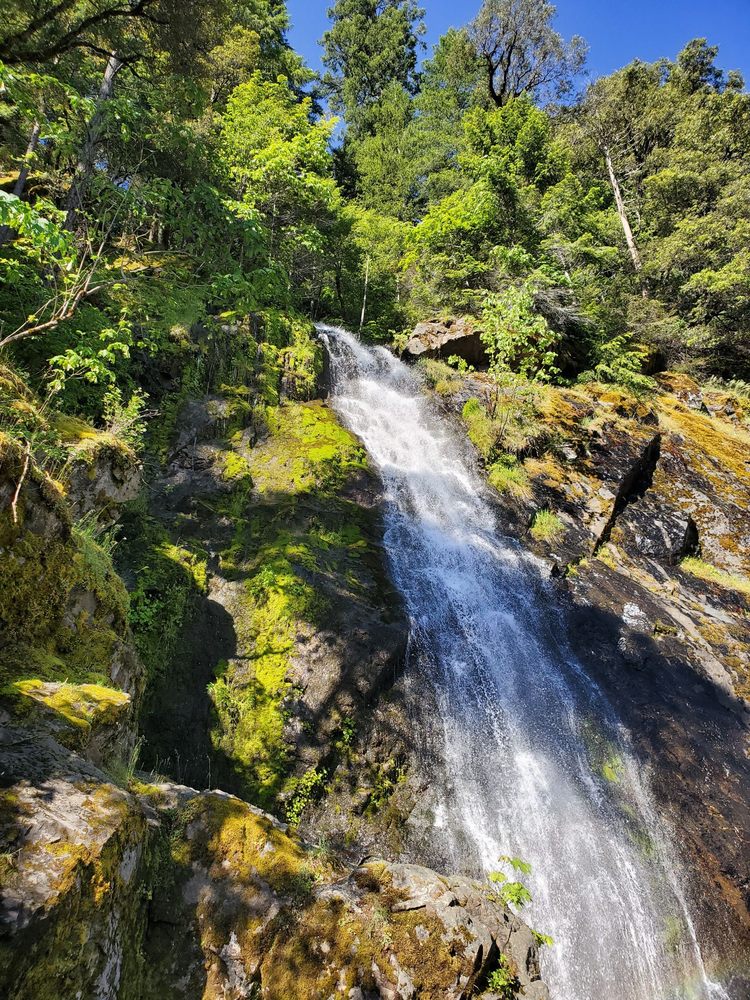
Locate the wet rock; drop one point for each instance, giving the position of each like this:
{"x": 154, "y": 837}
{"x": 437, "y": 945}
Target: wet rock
{"x": 441, "y": 339}
{"x": 639, "y": 486}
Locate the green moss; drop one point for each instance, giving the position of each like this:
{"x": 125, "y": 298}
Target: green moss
{"x": 711, "y": 574}
{"x": 480, "y": 428}
{"x": 295, "y": 541}
{"x": 168, "y": 578}
{"x": 83, "y": 706}
{"x": 236, "y": 467}
{"x": 63, "y": 609}
{"x": 612, "y": 768}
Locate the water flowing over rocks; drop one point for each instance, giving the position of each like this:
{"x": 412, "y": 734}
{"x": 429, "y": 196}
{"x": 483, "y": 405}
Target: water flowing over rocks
{"x": 389, "y": 671}
{"x": 508, "y": 772}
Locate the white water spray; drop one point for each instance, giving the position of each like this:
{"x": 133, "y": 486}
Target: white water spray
{"x": 534, "y": 763}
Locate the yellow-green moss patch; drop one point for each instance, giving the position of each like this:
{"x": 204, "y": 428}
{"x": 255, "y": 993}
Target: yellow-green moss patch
{"x": 705, "y": 571}
{"x": 82, "y": 705}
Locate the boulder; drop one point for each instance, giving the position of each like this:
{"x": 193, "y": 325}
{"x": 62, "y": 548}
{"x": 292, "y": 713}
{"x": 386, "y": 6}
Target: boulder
{"x": 102, "y": 475}
{"x": 174, "y": 893}
{"x": 441, "y": 339}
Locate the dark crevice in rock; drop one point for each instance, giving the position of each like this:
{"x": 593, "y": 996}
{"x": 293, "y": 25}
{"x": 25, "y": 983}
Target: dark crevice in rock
{"x": 633, "y": 487}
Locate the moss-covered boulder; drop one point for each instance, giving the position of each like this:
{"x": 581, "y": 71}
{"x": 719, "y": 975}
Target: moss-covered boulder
{"x": 102, "y": 472}
{"x": 90, "y": 718}
{"x": 73, "y": 862}
{"x": 275, "y": 918}
{"x": 159, "y": 892}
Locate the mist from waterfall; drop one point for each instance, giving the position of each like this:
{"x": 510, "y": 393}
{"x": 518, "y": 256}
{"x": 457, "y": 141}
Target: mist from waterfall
{"x": 534, "y": 763}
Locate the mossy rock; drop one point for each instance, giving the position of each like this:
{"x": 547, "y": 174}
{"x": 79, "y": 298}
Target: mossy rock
{"x": 90, "y": 718}
{"x": 63, "y": 609}
{"x": 307, "y": 556}
{"x": 291, "y": 922}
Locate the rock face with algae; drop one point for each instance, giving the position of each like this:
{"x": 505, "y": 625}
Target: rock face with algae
{"x": 63, "y": 609}
{"x": 165, "y": 892}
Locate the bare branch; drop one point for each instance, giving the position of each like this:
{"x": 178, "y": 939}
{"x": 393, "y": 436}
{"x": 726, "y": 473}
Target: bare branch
{"x": 17, "y": 494}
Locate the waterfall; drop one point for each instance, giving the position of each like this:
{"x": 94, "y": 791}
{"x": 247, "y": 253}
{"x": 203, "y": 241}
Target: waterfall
{"x": 533, "y": 762}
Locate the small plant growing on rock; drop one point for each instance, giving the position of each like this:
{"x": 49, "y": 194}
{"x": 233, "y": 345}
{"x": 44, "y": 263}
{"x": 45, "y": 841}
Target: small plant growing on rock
{"x": 511, "y": 893}
{"x": 542, "y": 940}
{"x": 507, "y": 475}
{"x": 502, "y": 982}
{"x": 546, "y": 526}
{"x": 309, "y": 787}
{"x": 460, "y": 364}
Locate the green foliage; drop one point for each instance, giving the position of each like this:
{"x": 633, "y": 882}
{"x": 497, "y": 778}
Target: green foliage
{"x": 516, "y": 338}
{"x": 546, "y": 527}
{"x": 507, "y": 475}
{"x": 621, "y": 362}
{"x": 511, "y": 892}
{"x": 542, "y": 940}
{"x": 168, "y": 578}
{"x": 305, "y": 790}
{"x": 517, "y": 864}
{"x": 503, "y": 981}
{"x": 368, "y": 47}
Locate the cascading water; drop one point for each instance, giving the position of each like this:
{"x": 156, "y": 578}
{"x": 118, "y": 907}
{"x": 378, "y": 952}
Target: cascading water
{"x": 534, "y": 763}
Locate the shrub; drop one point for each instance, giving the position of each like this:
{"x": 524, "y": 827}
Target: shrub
{"x": 502, "y": 981}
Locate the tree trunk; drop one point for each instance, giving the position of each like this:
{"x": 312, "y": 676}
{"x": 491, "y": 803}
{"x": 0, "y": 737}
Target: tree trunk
{"x": 629, "y": 238}
{"x": 364, "y": 297}
{"x": 6, "y": 233}
{"x": 87, "y": 158}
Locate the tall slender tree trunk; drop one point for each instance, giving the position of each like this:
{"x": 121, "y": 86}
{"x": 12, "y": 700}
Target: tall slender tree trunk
{"x": 624, "y": 222}
{"x": 87, "y": 157}
{"x": 364, "y": 296}
{"x": 6, "y": 232}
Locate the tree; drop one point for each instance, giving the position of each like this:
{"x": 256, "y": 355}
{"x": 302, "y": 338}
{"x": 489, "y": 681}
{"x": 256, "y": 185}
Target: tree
{"x": 370, "y": 44}
{"x": 40, "y": 32}
{"x": 387, "y": 159}
{"x": 450, "y": 85}
{"x": 280, "y": 165}
{"x": 613, "y": 115}
{"x": 696, "y": 68}
{"x": 521, "y": 51}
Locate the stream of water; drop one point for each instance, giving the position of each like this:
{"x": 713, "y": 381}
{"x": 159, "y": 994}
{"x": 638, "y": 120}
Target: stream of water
{"x": 534, "y": 762}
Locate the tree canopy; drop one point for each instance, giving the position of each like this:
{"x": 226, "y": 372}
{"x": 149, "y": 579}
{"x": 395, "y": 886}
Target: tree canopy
{"x": 185, "y": 147}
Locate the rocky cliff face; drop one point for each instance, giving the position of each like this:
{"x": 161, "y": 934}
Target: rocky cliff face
{"x": 638, "y": 507}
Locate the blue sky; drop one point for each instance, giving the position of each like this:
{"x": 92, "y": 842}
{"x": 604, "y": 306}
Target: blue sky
{"x": 616, "y": 31}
